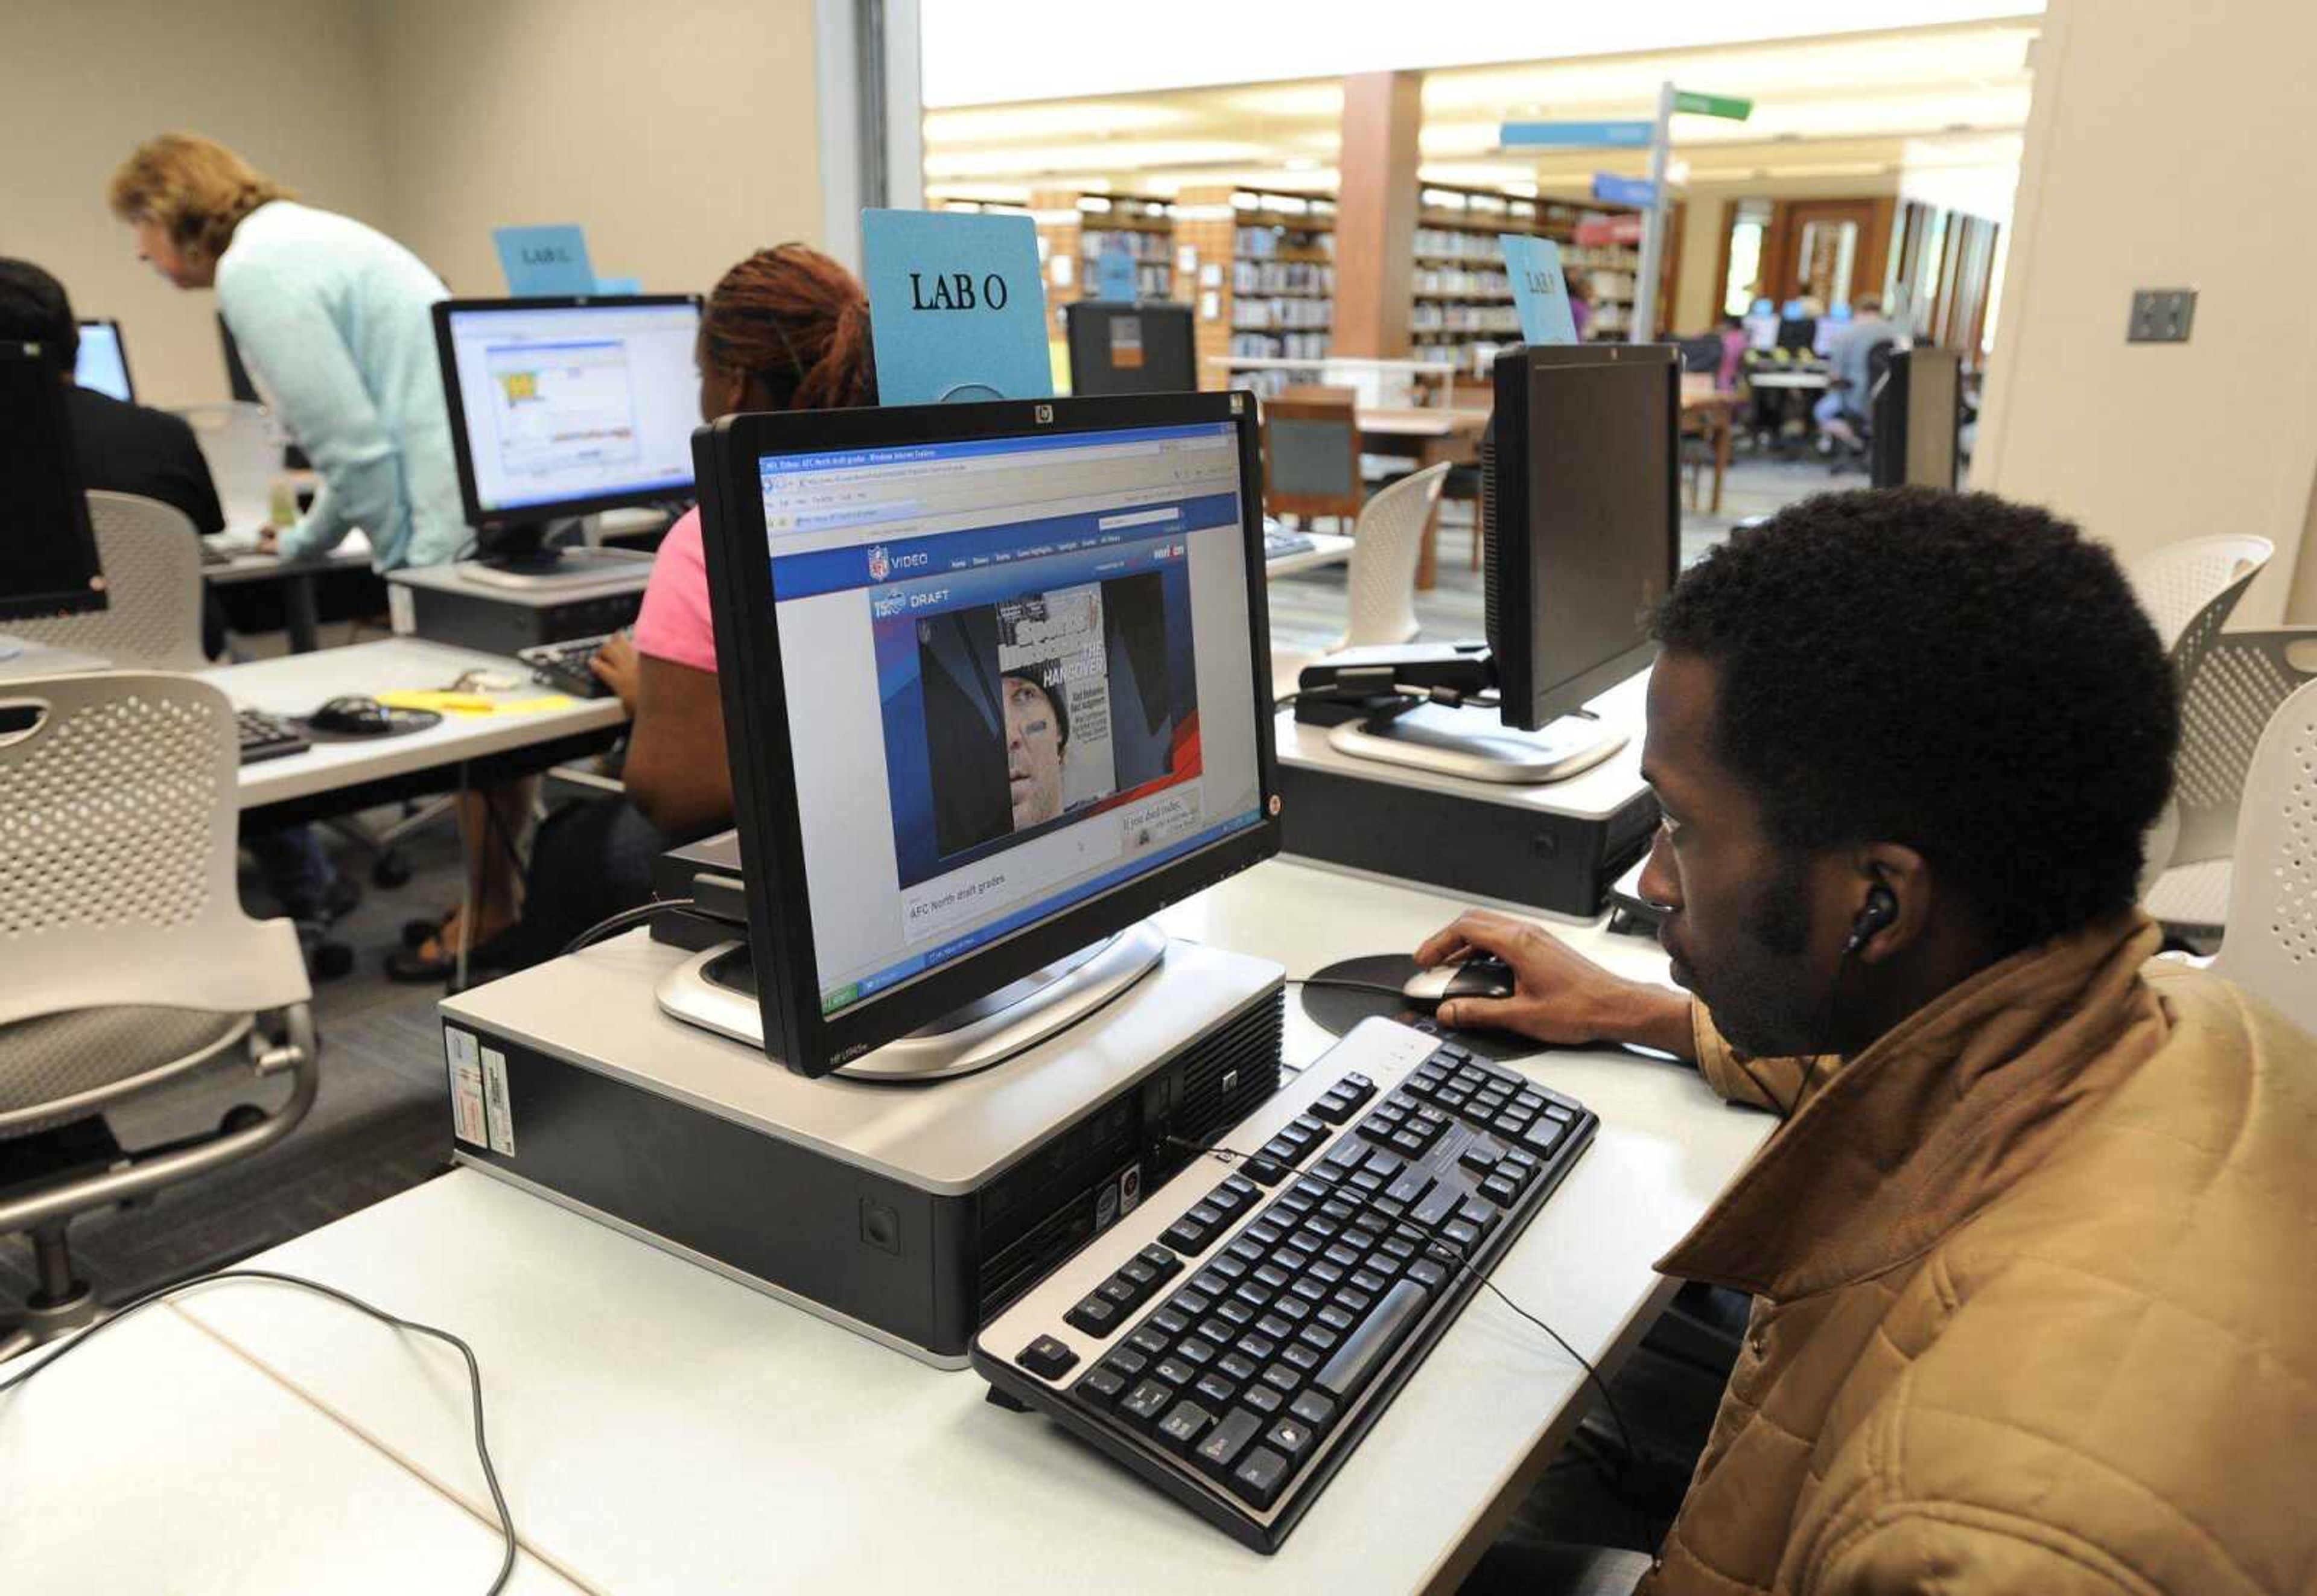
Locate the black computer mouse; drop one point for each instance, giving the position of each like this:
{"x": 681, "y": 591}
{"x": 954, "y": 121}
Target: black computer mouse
{"x": 354, "y": 716}
{"x": 1479, "y": 977}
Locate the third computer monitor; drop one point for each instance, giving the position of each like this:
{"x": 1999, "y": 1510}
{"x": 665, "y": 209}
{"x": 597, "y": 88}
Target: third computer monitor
{"x": 102, "y": 363}
{"x": 559, "y": 407}
{"x": 1584, "y": 529}
{"x": 995, "y": 688}
{"x": 1117, "y": 347}
{"x": 47, "y": 550}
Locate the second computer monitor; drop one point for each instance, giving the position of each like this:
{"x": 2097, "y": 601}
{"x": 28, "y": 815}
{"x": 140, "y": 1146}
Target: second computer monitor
{"x": 1583, "y": 526}
{"x": 1117, "y": 347}
{"x": 559, "y": 407}
{"x": 102, "y": 363}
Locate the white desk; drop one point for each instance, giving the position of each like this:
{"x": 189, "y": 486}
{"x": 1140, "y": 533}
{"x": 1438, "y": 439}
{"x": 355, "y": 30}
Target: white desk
{"x": 1327, "y": 549}
{"x": 1790, "y": 380}
{"x": 298, "y": 684}
{"x": 659, "y": 1428}
{"x": 243, "y": 564}
{"x": 158, "y": 1458}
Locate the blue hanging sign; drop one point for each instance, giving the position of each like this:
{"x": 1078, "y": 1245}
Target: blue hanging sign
{"x": 1615, "y": 135}
{"x": 1610, "y": 189}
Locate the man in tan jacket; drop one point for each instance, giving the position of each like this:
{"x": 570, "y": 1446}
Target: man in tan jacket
{"x": 2034, "y": 1255}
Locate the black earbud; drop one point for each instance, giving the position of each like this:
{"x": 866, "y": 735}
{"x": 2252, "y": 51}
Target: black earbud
{"x": 1882, "y": 908}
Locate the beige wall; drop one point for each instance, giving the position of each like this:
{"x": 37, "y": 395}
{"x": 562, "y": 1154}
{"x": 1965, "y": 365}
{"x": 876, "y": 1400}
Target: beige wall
{"x": 681, "y": 133}
{"x": 2147, "y": 443}
{"x": 287, "y": 81}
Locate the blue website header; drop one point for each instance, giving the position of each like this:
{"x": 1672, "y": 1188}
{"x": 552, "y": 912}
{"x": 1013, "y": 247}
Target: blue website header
{"x": 834, "y": 570}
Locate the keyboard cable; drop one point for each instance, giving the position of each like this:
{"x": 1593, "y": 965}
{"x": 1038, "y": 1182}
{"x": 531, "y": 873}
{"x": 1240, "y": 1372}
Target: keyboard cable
{"x": 474, "y": 1372}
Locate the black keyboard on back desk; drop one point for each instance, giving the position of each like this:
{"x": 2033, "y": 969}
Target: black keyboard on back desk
{"x": 266, "y": 737}
{"x": 564, "y": 667}
{"x": 1232, "y": 1338}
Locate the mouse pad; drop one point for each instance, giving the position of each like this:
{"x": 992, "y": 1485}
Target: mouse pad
{"x": 405, "y": 723}
{"x": 1340, "y": 1008}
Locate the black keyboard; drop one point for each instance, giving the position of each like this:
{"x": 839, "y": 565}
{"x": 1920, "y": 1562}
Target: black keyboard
{"x": 266, "y": 737}
{"x": 211, "y": 554}
{"x": 1233, "y": 1338}
{"x": 564, "y": 667}
{"x": 1278, "y": 543}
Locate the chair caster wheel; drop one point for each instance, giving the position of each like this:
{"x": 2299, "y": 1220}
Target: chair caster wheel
{"x": 390, "y": 871}
{"x": 241, "y": 1116}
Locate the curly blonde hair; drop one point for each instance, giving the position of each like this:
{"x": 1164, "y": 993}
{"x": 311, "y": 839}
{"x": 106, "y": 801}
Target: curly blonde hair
{"x": 192, "y": 185}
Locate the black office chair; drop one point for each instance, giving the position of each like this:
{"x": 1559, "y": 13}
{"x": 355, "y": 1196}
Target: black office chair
{"x": 1701, "y": 354}
{"x": 1859, "y": 409}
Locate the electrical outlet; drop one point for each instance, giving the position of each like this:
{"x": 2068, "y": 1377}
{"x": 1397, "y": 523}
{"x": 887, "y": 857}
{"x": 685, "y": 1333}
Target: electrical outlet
{"x": 2161, "y": 315}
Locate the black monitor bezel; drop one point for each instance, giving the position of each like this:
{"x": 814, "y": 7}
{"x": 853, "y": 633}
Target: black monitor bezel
{"x": 1525, "y": 704}
{"x": 90, "y": 597}
{"x": 120, "y": 347}
{"x": 1089, "y": 313}
{"x": 1891, "y": 420}
{"x": 757, "y": 727}
{"x": 470, "y": 499}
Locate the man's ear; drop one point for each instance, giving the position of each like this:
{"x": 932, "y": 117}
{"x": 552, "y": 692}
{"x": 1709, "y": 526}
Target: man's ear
{"x": 1894, "y": 902}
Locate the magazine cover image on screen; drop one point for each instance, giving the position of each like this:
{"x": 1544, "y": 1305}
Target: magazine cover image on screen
{"x": 1013, "y": 712}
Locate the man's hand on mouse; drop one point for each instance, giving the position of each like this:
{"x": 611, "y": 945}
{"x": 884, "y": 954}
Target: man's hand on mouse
{"x": 1559, "y": 995}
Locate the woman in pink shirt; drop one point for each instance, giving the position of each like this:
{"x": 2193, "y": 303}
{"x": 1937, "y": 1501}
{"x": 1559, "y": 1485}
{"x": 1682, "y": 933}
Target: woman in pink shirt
{"x": 786, "y": 329}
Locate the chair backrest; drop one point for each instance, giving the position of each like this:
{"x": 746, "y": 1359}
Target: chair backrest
{"x": 243, "y": 447}
{"x": 1385, "y": 546}
{"x": 2235, "y": 681}
{"x": 116, "y": 828}
{"x": 2271, "y": 946}
{"x": 152, "y": 617}
{"x": 1311, "y": 453}
{"x": 2181, "y": 578}
{"x": 1700, "y": 353}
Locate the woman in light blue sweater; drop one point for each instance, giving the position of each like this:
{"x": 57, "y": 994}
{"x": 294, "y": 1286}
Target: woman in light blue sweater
{"x": 333, "y": 320}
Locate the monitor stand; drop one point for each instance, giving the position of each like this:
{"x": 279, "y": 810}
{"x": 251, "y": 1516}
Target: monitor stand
{"x": 527, "y": 558}
{"x": 1474, "y": 743}
{"x": 717, "y": 991}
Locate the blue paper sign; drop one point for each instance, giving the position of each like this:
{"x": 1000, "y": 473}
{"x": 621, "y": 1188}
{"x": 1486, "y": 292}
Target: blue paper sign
{"x": 619, "y": 285}
{"x": 1540, "y": 293}
{"x": 1610, "y": 189}
{"x": 1114, "y": 275}
{"x": 551, "y": 260}
{"x": 1579, "y": 135}
{"x": 957, "y": 306}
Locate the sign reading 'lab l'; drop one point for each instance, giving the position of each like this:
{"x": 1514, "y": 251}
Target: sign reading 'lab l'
{"x": 1540, "y": 293}
{"x": 957, "y": 309}
{"x": 546, "y": 260}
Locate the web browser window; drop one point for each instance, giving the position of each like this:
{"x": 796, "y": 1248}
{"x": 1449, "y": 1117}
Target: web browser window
{"x": 1018, "y": 676}
{"x": 571, "y": 403}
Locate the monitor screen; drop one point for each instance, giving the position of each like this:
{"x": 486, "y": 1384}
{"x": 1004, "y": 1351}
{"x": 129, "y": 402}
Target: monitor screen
{"x": 1029, "y": 623}
{"x": 103, "y": 362}
{"x": 1130, "y": 348}
{"x": 1020, "y": 681}
{"x": 1584, "y": 537}
{"x": 560, "y": 406}
{"x": 47, "y": 550}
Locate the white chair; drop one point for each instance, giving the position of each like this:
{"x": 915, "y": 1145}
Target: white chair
{"x": 2181, "y": 578}
{"x": 152, "y": 618}
{"x": 1385, "y": 543}
{"x": 128, "y": 961}
{"x": 2271, "y": 949}
{"x": 243, "y": 447}
{"x": 2231, "y": 683}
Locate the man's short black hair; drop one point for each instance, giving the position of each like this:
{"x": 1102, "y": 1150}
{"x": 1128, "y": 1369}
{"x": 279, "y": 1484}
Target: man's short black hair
{"x": 35, "y": 309}
{"x": 1970, "y": 677}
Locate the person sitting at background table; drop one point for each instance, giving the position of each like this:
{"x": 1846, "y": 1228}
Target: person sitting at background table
{"x": 335, "y": 321}
{"x": 1846, "y": 400}
{"x": 2030, "y": 1252}
{"x": 124, "y": 447}
{"x": 785, "y": 329}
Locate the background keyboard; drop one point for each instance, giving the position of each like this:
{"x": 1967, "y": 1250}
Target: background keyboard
{"x": 266, "y": 737}
{"x": 564, "y": 667}
{"x": 1233, "y": 1338}
{"x": 1278, "y": 543}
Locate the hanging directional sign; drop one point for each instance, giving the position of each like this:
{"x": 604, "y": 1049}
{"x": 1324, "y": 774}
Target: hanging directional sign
{"x": 1613, "y": 190}
{"x": 1611, "y": 135}
{"x": 1727, "y": 105}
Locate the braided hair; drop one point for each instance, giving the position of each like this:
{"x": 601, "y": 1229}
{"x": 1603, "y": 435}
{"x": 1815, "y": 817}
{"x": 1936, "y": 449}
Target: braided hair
{"x": 796, "y": 321}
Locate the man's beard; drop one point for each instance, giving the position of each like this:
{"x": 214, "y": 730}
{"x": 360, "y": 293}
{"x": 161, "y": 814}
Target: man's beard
{"x": 1760, "y": 995}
